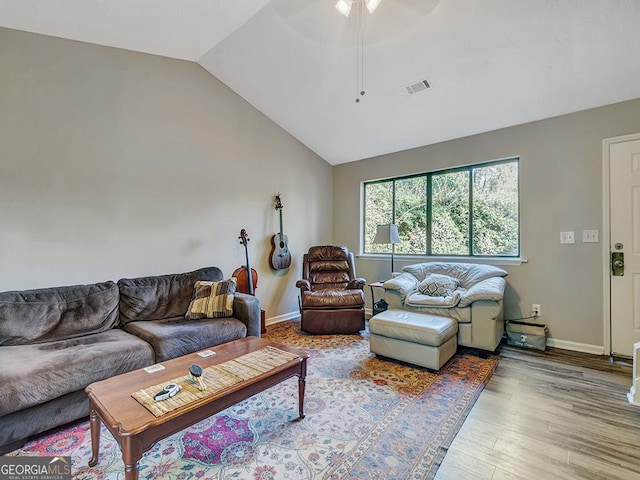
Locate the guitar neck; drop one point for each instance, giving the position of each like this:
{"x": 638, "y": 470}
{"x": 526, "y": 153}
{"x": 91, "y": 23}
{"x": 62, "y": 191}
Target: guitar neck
{"x": 244, "y": 240}
{"x": 281, "y": 230}
{"x": 249, "y": 275}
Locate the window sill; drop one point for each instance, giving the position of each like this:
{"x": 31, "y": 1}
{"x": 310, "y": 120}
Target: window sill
{"x": 507, "y": 261}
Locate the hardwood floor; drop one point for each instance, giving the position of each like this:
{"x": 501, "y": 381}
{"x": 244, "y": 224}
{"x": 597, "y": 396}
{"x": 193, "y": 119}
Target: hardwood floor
{"x": 549, "y": 415}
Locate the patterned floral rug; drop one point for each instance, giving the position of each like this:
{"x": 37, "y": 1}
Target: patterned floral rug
{"x": 366, "y": 418}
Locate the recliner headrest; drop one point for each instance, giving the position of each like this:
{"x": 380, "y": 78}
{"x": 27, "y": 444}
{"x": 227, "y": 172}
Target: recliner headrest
{"x": 327, "y": 252}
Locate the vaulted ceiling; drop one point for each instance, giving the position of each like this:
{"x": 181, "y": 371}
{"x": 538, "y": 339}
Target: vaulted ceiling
{"x": 491, "y": 64}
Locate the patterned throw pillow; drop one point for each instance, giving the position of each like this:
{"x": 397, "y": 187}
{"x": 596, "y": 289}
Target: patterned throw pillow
{"x": 436, "y": 285}
{"x": 212, "y": 299}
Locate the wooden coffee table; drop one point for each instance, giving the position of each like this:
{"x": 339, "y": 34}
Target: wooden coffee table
{"x": 136, "y": 429}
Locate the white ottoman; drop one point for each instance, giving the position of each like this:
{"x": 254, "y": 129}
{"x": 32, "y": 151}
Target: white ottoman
{"x": 418, "y": 338}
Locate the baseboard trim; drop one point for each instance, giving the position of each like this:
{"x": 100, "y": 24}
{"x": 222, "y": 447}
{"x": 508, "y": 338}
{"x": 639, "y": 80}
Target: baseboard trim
{"x": 551, "y": 342}
{"x": 281, "y": 318}
{"x": 575, "y": 346}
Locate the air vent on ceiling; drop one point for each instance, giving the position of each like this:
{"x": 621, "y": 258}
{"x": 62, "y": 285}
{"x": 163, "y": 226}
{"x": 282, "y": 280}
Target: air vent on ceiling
{"x": 417, "y": 87}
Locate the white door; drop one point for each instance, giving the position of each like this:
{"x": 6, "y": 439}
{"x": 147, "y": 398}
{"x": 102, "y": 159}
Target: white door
{"x": 624, "y": 221}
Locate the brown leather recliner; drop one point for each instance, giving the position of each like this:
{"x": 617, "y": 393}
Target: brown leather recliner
{"x": 331, "y": 297}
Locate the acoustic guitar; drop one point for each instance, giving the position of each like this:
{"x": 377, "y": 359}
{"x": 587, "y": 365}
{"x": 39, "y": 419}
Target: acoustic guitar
{"x": 280, "y": 258}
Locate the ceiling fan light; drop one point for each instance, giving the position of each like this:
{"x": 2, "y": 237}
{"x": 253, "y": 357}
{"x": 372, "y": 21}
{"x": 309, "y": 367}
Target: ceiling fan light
{"x": 372, "y": 5}
{"x": 344, "y": 7}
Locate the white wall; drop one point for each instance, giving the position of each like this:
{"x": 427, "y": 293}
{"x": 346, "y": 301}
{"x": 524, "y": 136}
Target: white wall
{"x": 560, "y": 190}
{"x": 115, "y": 163}
{"x": 119, "y": 164}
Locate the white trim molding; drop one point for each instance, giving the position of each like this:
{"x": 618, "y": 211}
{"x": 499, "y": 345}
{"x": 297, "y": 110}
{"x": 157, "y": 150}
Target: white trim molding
{"x": 606, "y": 235}
{"x": 281, "y": 318}
{"x": 413, "y": 259}
{"x": 634, "y": 393}
{"x": 576, "y": 347}
{"x": 551, "y": 342}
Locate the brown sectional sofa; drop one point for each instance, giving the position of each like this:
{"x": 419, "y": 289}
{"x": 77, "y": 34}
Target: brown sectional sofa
{"x": 56, "y": 341}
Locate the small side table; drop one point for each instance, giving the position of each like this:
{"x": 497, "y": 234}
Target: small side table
{"x": 373, "y": 299}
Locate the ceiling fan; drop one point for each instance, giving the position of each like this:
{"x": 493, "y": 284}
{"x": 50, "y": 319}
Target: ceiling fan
{"x": 344, "y": 6}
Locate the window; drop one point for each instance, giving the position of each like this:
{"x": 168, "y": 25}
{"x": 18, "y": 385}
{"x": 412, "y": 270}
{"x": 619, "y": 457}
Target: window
{"x": 467, "y": 211}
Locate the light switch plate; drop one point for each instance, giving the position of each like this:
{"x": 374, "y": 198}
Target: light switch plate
{"x": 567, "y": 237}
{"x": 590, "y": 236}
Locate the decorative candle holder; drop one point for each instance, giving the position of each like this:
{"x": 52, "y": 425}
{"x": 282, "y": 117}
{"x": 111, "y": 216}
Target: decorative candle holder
{"x": 196, "y": 373}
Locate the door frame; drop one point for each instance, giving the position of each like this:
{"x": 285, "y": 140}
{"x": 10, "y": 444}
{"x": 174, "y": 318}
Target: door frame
{"x": 606, "y": 235}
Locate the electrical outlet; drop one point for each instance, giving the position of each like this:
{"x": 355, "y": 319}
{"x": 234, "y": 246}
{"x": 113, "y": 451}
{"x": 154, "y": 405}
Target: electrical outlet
{"x": 535, "y": 310}
{"x": 567, "y": 237}
{"x": 590, "y": 236}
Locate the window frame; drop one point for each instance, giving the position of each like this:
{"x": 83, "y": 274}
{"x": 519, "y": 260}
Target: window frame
{"x": 429, "y": 211}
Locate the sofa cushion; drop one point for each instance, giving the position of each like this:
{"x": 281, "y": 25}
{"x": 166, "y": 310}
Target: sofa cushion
{"x": 436, "y": 285}
{"x": 327, "y": 253}
{"x": 332, "y": 299}
{"x": 52, "y": 314}
{"x": 413, "y": 327}
{"x": 461, "y": 315}
{"x": 324, "y": 280}
{"x": 417, "y": 299}
{"x": 162, "y": 296}
{"x": 468, "y": 273}
{"x": 329, "y": 267}
{"x": 177, "y": 336}
{"x": 34, "y": 374}
{"x": 212, "y": 299}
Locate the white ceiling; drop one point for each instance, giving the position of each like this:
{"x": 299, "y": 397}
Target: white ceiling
{"x": 491, "y": 63}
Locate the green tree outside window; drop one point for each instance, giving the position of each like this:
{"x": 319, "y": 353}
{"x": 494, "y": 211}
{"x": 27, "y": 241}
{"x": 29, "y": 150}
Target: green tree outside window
{"x": 467, "y": 211}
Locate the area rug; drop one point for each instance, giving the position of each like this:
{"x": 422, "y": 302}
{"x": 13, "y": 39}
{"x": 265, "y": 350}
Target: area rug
{"x": 366, "y": 418}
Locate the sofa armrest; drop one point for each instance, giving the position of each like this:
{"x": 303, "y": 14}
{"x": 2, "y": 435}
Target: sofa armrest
{"x": 246, "y": 308}
{"x": 357, "y": 284}
{"x": 392, "y": 297}
{"x": 489, "y": 289}
{"x": 487, "y": 324}
{"x": 303, "y": 285}
{"x": 402, "y": 285}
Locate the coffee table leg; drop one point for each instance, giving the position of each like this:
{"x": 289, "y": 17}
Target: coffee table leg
{"x": 94, "y": 421}
{"x": 131, "y": 454}
{"x": 301, "y": 384}
{"x": 131, "y": 471}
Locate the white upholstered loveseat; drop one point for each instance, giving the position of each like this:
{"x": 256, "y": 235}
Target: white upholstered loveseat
{"x": 475, "y": 303}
